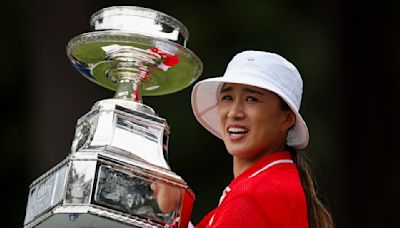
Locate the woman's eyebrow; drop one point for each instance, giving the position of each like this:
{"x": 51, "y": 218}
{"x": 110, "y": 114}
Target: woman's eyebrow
{"x": 226, "y": 89}
{"x": 246, "y": 89}
{"x": 250, "y": 90}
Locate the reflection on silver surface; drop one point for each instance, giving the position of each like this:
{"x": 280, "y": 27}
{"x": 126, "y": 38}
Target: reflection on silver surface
{"x": 91, "y": 183}
{"x": 138, "y": 44}
{"x": 87, "y": 55}
{"x": 46, "y": 194}
{"x": 143, "y": 139}
{"x": 140, "y": 20}
{"x": 146, "y": 132}
{"x": 132, "y": 194}
{"x": 132, "y": 132}
{"x": 85, "y": 130}
{"x": 117, "y": 174}
{"x": 80, "y": 180}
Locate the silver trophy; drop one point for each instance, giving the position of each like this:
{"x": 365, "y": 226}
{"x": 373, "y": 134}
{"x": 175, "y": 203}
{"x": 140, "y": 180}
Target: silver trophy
{"x": 117, "y": 174}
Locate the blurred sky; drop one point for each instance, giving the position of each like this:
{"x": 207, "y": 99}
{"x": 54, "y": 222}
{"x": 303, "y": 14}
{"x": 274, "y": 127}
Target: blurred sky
{"x": 347, "y": 53}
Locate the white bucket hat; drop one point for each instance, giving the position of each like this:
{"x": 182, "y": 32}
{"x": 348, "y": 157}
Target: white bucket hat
{"x": 255, "y": 68}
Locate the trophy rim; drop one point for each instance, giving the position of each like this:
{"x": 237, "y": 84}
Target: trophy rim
{"x": 136, "y": 38}
{"x": 139, "y": 11}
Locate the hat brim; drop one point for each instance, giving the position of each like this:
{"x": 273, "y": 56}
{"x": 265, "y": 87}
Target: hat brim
{"x": 205, "y": 99}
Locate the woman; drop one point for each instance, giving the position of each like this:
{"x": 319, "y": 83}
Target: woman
{"x": 254, "y": 109}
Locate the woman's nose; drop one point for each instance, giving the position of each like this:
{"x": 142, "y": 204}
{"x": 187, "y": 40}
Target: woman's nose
{"x": 236, "y": 110}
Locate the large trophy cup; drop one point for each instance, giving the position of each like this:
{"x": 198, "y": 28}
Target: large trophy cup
{"x": 117, "y": 174}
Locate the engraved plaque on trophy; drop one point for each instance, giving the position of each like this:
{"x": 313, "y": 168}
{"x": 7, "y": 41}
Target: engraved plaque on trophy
{"x": 117, "y": 174}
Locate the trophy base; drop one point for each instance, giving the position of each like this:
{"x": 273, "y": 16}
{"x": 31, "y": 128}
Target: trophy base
{"x": 99, "y": 189}
{"x": 85, "y": 217}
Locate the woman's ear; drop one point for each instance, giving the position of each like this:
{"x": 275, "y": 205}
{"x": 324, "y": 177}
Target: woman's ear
{"x": 289, "y": 121}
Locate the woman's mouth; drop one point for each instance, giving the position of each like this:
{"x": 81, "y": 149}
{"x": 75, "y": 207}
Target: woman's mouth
{"x": 236, "y": 133}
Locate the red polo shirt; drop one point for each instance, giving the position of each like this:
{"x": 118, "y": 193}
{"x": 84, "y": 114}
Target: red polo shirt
{"x": 268, "y": 194}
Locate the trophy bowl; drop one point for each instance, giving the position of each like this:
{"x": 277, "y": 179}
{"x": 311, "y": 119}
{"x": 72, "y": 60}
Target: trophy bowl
{"x": 117, "y": 173}
{"x": 136, "y": 43}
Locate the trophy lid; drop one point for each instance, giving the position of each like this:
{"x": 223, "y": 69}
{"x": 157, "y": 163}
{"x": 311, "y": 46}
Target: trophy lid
{"x": 135, "y": 44}
{"x": 140, "y": 20}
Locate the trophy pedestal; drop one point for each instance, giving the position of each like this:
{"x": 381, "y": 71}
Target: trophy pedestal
{"x": 118, "y": 153}
{"x": 131, "y": 129}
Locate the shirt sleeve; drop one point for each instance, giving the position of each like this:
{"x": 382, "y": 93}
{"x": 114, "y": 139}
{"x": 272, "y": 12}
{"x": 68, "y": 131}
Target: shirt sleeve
{"x": 204, "y": 222}
{"x": 242, "y": 211}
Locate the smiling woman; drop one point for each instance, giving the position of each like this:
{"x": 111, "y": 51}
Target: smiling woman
{"x": 252, "y": 123}
{"x": 254, "y": 109}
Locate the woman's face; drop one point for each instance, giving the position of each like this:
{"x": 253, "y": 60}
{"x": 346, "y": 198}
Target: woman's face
{"x": 252, "y": 122}
{"x": 129, "y": 200}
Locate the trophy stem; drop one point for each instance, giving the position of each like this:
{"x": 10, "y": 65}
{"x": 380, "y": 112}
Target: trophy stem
{"x": 128, "y": 90}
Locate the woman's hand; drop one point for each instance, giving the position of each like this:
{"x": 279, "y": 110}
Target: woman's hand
{"x": 166, "y": 196}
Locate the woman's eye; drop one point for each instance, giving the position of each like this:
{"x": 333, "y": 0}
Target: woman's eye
{"x": 251, "y": 99}
{"x": 226, "y": 98}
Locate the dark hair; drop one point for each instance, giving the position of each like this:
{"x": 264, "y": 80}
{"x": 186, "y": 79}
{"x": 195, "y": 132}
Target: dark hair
{"x": 318, "y": 215}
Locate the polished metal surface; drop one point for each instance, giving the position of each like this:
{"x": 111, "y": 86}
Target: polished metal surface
{"x": 117, "y": 174}
{"x": 123, "y": 126}
{"x": 140, "y": 20}
{"x": 90, "y": 189}
{"x": 137, "y": 45}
